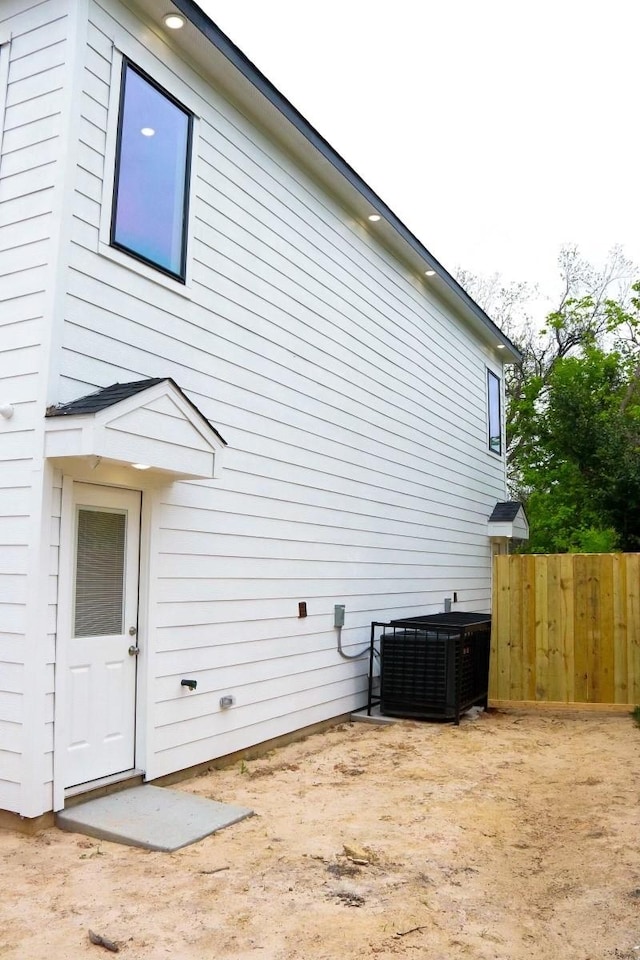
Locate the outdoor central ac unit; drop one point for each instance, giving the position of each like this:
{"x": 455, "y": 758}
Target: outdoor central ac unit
{"x": 434, "y": 667}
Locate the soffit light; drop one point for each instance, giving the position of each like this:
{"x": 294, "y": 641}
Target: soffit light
{"x": 140, "y": 466}
{"x": 429, "y": 273}
{"x": 173, "y": 21}
{"x": 374, "y": 217}
{"x": 500, "y": 346}
{"x": 147, "y": 132}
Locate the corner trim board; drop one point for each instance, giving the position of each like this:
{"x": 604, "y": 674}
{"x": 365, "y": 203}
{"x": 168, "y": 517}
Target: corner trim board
{"x": 5, "y": 39}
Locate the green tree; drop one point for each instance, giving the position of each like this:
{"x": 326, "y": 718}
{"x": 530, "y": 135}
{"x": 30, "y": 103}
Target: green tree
{"x": 573, "y": 405}
{"x": 581, "y": 477}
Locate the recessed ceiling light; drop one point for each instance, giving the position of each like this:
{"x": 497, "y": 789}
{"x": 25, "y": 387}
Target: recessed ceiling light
{"x": 147, "y": 132}
{"x": 374, "y": 217}
{"x": 140, "y": 466}
{"x": 429, "y": 273}
{"x": 173, "y": 21}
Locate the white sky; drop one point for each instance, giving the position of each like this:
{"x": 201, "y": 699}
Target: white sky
{"x": 496, "y": 130}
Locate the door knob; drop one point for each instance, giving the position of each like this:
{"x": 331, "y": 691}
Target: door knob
{"x": 133, "y": 650}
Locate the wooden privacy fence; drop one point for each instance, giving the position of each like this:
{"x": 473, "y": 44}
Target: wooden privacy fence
{"x": 566, "y": 628}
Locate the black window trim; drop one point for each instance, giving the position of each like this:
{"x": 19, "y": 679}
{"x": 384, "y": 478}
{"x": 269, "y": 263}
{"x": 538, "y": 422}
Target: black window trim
{"x": 180, "y": 277}
{"x": 491, "y": 374}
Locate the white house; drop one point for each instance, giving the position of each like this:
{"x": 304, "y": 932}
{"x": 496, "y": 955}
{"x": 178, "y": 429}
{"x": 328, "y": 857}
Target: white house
{"x": 226, "y": 393}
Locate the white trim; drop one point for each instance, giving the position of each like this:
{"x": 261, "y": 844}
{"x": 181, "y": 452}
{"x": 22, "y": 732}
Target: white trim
{"x": 147, "y": 627}
{"x": 501, "y": 529}
{"x": 37, "y": 616}
{"x": 108, "y": 182}
{"x": 5, "y": 56}
{"x": 50, "y": 355}
{"x": 110, "y": 476}
{"x": 137, "y": 266}
{"x": 518, "y": 527}
{"x": 79, "y": 789}
{"x": 65, "y": 602}
{"x": 111, "y": 138}
{"x": 62, "y": 214}
{"x": 102, "y": 435}
{"x": 86, "y": 470}
{"x": 65, "y": 589}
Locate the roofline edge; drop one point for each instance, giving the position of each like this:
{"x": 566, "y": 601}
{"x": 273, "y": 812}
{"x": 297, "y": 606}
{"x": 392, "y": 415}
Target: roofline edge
{"x": 254, "y": 75}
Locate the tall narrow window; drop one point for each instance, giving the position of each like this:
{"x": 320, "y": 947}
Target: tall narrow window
{"x": 495, "y": 419}
{"x": 150, "y": 204}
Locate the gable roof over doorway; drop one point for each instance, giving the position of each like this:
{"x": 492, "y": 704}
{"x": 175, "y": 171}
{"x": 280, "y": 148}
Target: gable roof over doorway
{"x": 150, "y": 423}
{"x": 508, "y": 519}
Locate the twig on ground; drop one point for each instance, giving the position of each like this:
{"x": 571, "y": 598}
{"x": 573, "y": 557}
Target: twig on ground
{"x": 403, "y": 933}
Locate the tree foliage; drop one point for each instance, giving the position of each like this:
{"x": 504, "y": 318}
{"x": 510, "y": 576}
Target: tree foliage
{"x": 580, "y": 467}
{"x": 573, "y": 405}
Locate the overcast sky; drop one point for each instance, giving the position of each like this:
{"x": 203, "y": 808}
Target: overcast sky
{"x": 496, "y": 130}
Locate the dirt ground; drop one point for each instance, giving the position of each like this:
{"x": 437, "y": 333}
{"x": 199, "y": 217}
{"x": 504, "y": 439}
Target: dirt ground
{"x": 513, "y": 836}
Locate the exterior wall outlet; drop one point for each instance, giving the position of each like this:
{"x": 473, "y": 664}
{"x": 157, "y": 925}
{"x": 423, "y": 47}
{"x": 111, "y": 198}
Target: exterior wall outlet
{"x": 226, "y": 702}
{"x": 338, "y": 615}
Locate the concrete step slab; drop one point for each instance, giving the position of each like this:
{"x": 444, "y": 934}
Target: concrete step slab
{"x": 155, "y": 818}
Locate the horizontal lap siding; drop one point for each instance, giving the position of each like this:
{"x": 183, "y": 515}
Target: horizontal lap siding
{"x": 30, "y": 128}
{"x": 354, "y": 405}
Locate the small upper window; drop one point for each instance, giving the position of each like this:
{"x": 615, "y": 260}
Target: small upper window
{"x": 495, "y": 419}
{"x": 150, "y": 203}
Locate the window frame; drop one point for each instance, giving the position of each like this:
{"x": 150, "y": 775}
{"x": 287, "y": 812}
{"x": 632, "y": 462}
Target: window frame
{"x": 118, "y": 512}
{"x": 180, "y": 277}
{"x": 491, "y": 377}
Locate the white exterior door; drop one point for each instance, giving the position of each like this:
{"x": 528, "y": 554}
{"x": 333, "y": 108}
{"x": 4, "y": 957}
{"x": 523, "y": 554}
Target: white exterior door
{"x": 102, "y": 648}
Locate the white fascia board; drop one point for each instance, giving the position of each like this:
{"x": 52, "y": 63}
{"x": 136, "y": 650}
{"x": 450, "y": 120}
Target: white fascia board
{"x": 63, "y": 439}
{"x": 503, "y": 528}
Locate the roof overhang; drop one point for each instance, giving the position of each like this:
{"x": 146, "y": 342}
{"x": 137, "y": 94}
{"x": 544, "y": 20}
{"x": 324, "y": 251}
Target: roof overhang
{"x": 219, "y": 59}
{"x": 156, "y": 429}
{"x": 510, "y": 524}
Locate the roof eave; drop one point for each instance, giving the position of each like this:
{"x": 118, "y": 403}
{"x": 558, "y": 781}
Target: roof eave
{"x": 444, "y": 281}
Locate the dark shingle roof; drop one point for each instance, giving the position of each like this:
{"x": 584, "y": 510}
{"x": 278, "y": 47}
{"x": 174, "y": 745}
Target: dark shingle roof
{"x": 505, "y": 512}
{"x": 103, "y": 398}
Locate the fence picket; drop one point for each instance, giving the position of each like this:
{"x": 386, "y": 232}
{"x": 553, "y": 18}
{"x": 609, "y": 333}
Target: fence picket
{"x": 566, "y": 628}
{"x": 620, "y": 661}
{"x": 633, "y": 627}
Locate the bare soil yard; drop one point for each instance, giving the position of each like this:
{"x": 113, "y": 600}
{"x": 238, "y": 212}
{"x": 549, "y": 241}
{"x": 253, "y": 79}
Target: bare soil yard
{"x": 513, "y": 836}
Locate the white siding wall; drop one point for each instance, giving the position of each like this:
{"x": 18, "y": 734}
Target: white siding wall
{"x": 353, "y": 403}
{"x": 29, "y": 128}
